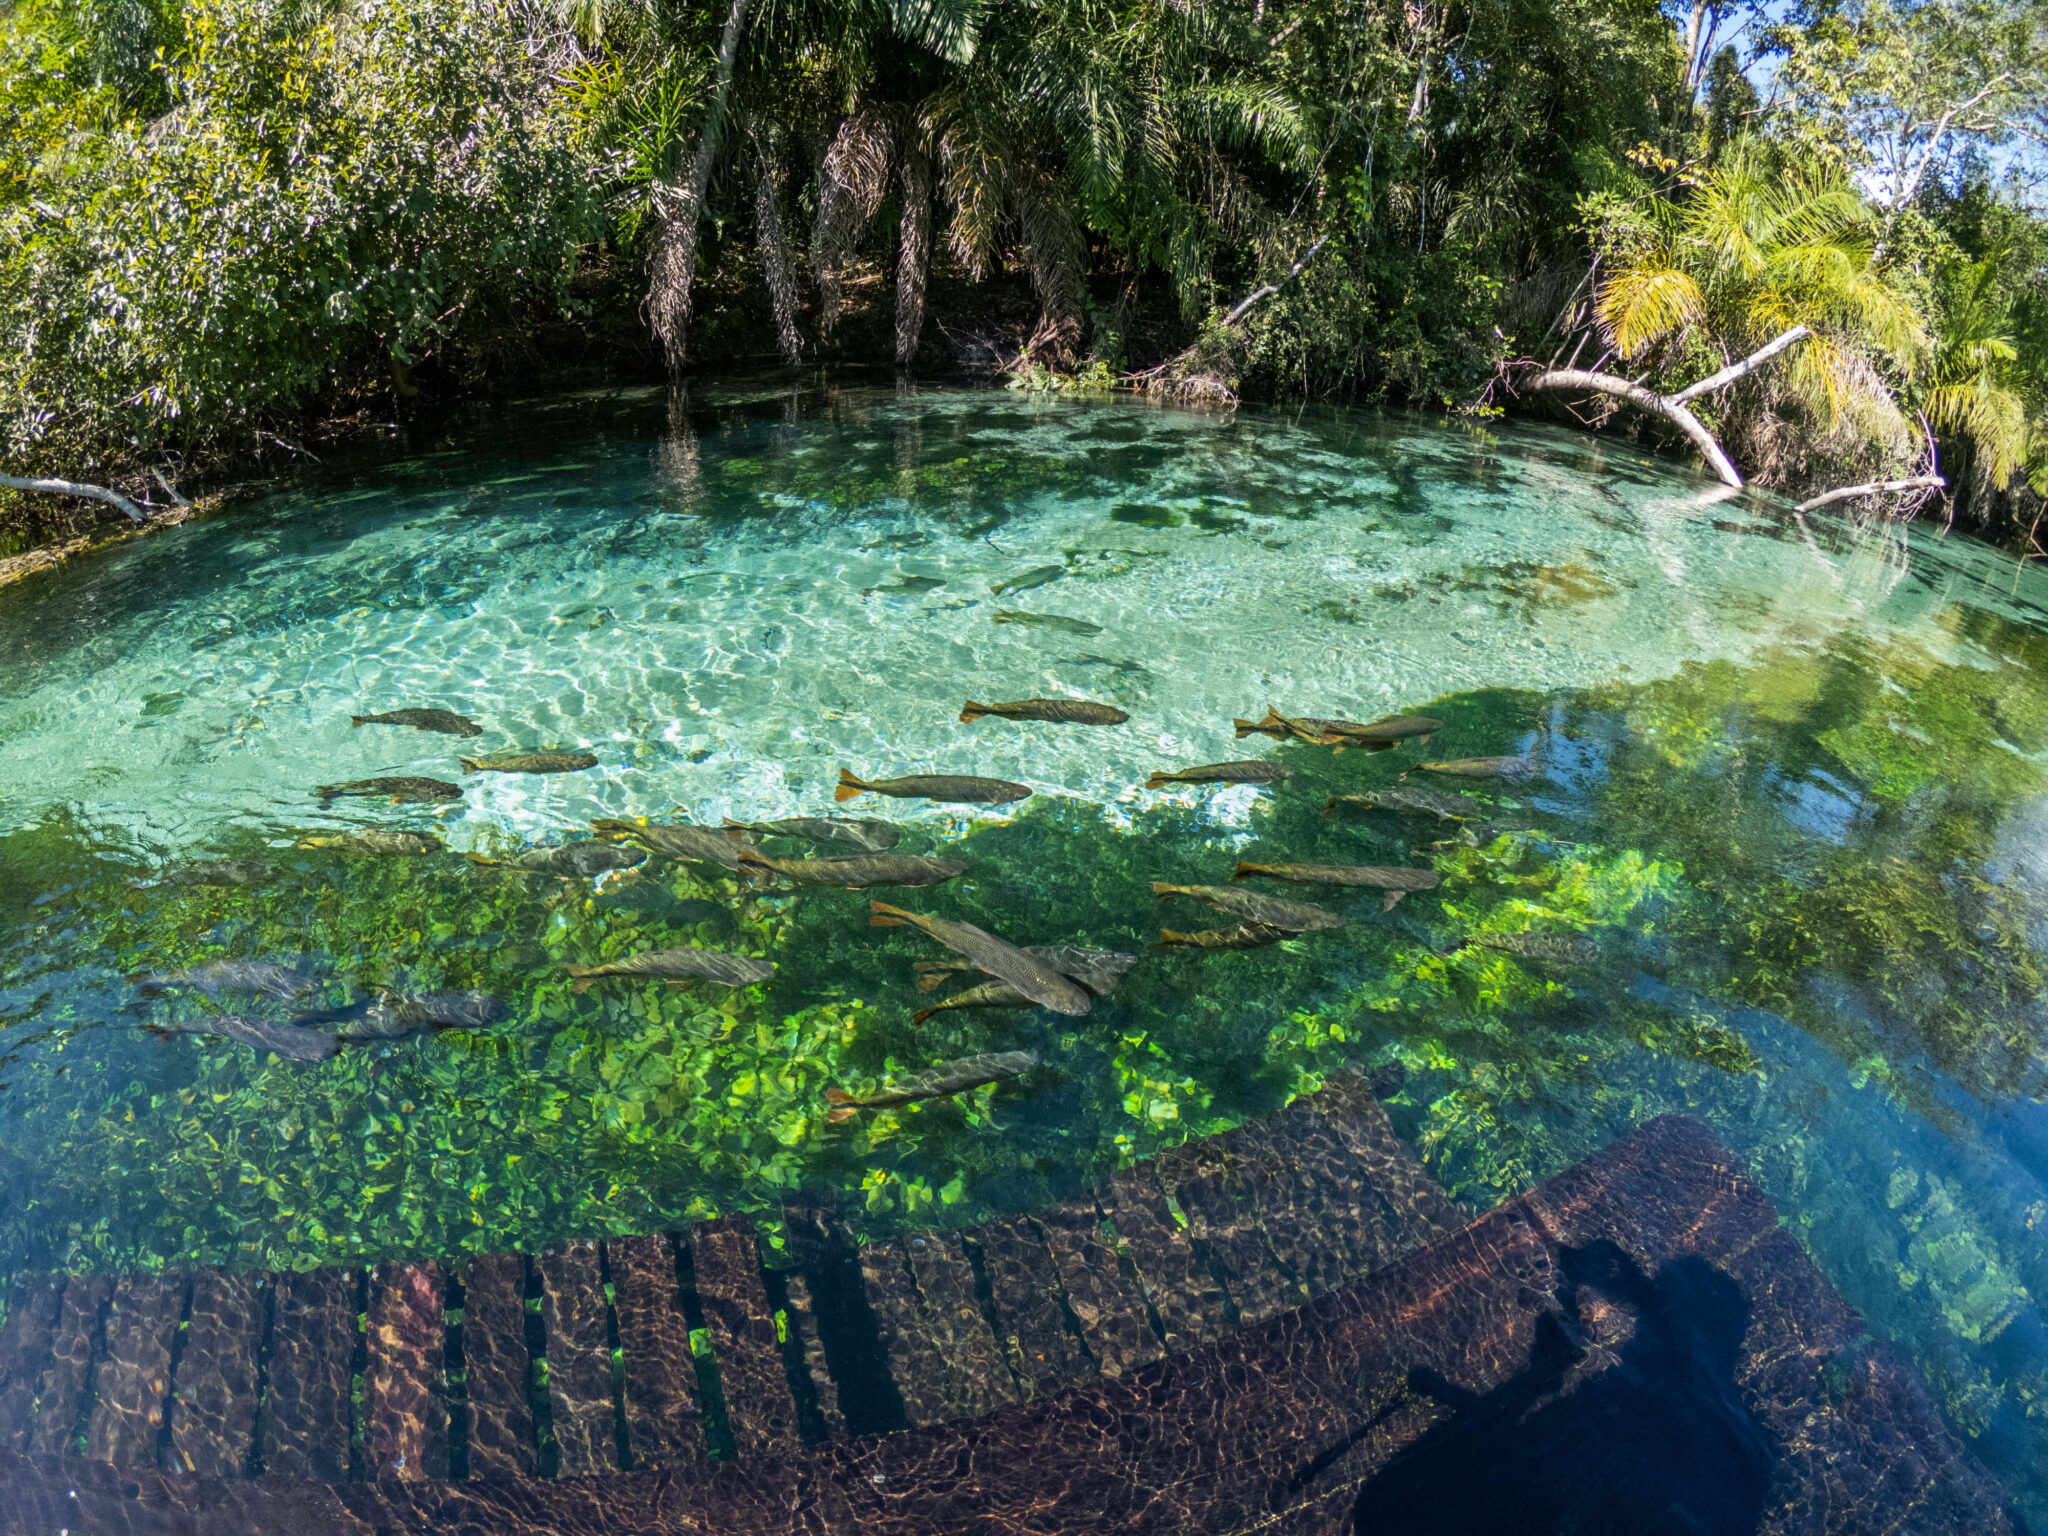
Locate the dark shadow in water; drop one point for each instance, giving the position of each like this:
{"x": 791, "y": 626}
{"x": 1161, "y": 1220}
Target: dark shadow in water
{"x": 1658, "y": 1443}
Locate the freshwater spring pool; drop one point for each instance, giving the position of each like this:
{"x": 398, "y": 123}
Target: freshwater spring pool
{"x": 1791, "y": 784}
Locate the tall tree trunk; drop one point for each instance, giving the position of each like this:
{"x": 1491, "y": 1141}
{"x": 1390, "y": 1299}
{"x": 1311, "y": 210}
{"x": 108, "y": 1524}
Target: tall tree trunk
{"x": 775, "y": 262}
{"x": 677, "y": 208}
{"x": 913, "y": 251}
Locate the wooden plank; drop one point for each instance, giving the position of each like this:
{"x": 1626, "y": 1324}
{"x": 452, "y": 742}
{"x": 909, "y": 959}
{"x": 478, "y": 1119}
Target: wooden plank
{"x": 803, "y": 1317}
{"x": 1045, "y": 1353}
{"x": 664, "y": 1425}
{"x": 1418, "y": 1209}
{"x": 306, "y": 1404}
{"x": 1227, "y": 1227}
{"x": 1347, "y": 1210}
{"x": 914, "y": 1361}
{"x": 978, "y": 1377}
{"x": 1113, "y": 1321}
{"x": 758, "y": 1403}
{"x": 579, "y": 1360}
{"x": 32, "y": 1307}
{"x": 405, "y": 1411}
{"x": 496, "y": 1367}
{"x": 1263, "y": 1168}
{"x": 213, "y": 1423}
{"x": 1182, "y": 1291}
{"x": 61, "y": 1395}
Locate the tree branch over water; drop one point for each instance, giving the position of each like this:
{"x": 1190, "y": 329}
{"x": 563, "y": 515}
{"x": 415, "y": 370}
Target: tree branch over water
{"x": 1672, "y": 408}
{"x": 73, "y": 488}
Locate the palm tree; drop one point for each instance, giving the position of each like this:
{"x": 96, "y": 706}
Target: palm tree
{"x": 1968, "y": 389}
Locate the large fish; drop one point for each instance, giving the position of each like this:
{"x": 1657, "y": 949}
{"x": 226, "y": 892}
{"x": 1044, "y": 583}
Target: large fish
{"x": 1054, "y": 621}
{"x": 294, "y": 1042}
{"x": 1281, "y": 727}
{"x": 571, "y": 861}
{"x": 1384, "y": 733}
{"x": 990, "y": 994}
{"x": 1099, "y": 970}
{"x": 1509, "y": 768}
{"x": 1544, "y": 948}
{"x": 1254, "y": 771}
{"x": 446, "y": 721}
{"x": 1395, "y": 883}
{"x": 401, "y": 1015}
{"x": 940, "y": 1082}
{"x": 933, "y": 786}
{"x": 676, "y": 966}
{"x": 679, "y": 840}
{"x": 860, "y": 870}
{"x": 1036, "y": 979}
{"x": 424, "y": 791}
{"x": 264, "y": 977}
{"x": 846, "y": 831}
{"x": 1243, "y": 936}
{"x": 1037, "y": 576}
{"x": 529, "y": 762}
{"x": 1251, "y": 907}
{"x": 374, "y": 841}
{"x": 1058, "y": 711}
{"x": 1420, "y": 798}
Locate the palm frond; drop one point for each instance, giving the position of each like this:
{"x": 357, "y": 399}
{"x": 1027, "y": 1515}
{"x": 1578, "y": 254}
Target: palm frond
{"x": 852, "y": 181}
{"x": 1644, "y": 303}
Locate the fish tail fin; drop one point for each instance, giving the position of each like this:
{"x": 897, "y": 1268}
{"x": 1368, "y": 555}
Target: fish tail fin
{"x": 838, "y": 1096}
{"x": 610, "y": 826}
{"x": 1162, "y": 890}
{"x": 358, "y": 721}
{"x": 882, "y": 915}
{"x": 1245, "y": 728}
{"x": 469, "y": 764}
{"x": 478, "y": 858}
{"x": 326, "y": 791}
{"x": 1244, "y": 871}
{"x": 972, "y": 711}
{"x": 922, "y": 1014}
{"x": 840, "y": 1116}
{"x": 848, "y": 788}
{"x": 577, "y": 970}
{"x": 1158, "y": 779}
{"x": 158, "y": 1030}
{"x": 1391, "y": 900}
{"x": 931, "y": 982}
{"x": 582, "y": 984}
{"x": 1169, "y": 939}
{"x": 1423, "y": 739}
{"x": 1330, "y": 805}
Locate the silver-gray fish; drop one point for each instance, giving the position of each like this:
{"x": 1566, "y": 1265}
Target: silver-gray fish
{"x": 1243, "y": 936}
{"x": 858, "y": 871}
{"x": 1037, "y": 576}
{"x": 294, "y": 1042}
{"x": 400, "y": 1015}
{"x": 1054, "y": 621}
{"x": 1058, "y": 711}
{"x": 990, "y": 994}
{"x": 1251, "y": 907}
{"x": 446, "y": 721}
{"x": 572, "y": 861}
{"x": 1544, "y": 948}
{"x": 1254, "y": 771}
{"x": 867, "y": 835}
{"x": 264, "y": 977}
{"x": 679, "y": 840}
{"x": 423, "y": 791}
{"x": 1444, "y": 803}
{"x": 954, "y": 789}
{"x": 1509, "y": 768}
{"x": 1099, "y": 970}
{"x": 222, "y": 872}
{"x": 1395, "y": 882}
{"x": 1036, "y": 979}
{"x": 940, "y": 1082}
{"x": 529, "y": 762}
{"x": 675, "y": 966}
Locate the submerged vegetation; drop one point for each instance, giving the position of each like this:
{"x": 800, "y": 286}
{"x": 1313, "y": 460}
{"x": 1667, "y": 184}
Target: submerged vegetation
{"x": 224, "y": 223}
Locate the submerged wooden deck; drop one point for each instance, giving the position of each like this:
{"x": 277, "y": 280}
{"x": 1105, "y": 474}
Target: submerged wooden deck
{"x": 1268, "y": 1330}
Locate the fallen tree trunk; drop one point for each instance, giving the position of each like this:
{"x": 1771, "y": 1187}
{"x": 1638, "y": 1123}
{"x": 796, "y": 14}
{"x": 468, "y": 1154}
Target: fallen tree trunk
{"x": 1876, "y": 488}
{"x": 73, "y": 488}
{"x": 1672, "y": 408}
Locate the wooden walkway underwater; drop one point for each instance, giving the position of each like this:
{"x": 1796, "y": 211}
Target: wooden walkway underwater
{"x": 1280, "y": 1329}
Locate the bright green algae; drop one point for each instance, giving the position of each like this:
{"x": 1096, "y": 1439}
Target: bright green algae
{"x": 1811, "y": 874}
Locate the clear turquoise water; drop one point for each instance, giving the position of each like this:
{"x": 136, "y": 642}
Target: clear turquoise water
{"x": 1792, "y": 783}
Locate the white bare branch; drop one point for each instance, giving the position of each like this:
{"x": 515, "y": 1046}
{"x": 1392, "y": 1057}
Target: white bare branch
{"x": 1748, "y": 365}
{"x": 1875, "y": 488}
{"x": 73, "y": 488}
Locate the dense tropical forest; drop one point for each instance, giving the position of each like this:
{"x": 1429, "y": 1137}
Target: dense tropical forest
{"x": 229, "y": 228}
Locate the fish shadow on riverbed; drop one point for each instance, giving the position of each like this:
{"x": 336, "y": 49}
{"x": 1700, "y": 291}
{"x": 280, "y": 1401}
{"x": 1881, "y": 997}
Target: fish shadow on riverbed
{"x": 1653, "y": 1441}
